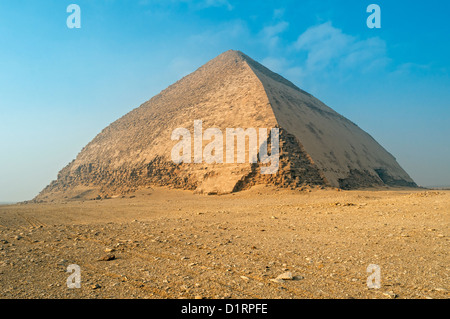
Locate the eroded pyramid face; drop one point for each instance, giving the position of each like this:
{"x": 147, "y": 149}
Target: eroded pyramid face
{"x": 317, "y": 146}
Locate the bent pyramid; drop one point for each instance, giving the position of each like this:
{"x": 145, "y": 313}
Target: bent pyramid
{"x": 317, "y": 145}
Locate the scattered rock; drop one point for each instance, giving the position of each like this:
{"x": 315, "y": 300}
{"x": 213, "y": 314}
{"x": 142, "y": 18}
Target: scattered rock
{"x": 440, "y": 289}
{"x": 390, "y": 294}
{"x": 349, "y": 204}
{"x": 108, "y": 257}
{"x": 285, "y": 276}
{"x": 277, "y": 280}
{"x": 62, "y": 262}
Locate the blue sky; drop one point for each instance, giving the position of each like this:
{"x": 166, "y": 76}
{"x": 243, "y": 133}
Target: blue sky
{"x": 59, "y": 87}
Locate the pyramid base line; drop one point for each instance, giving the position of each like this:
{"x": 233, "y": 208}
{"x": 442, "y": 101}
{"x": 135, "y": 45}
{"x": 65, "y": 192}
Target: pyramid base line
{"x": 296, "y": 171}
{"x": 357, "y": 178}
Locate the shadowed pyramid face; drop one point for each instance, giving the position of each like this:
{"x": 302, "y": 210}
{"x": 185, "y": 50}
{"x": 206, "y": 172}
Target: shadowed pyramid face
{"x": 317, "y": 146}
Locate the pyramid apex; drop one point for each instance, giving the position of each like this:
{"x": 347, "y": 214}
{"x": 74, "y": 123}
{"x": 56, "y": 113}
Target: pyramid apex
{"x": 233, "y": 54}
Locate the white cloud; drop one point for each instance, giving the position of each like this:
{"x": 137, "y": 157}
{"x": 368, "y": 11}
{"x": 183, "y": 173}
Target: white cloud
{"x": 216, "y": 3}
{"x": 322, "y": 54}
{"x": 273, "y": 30}
{"x": 202, "y": 4}
{"x": 278, "y": 13}
{"x": 328, "y": 48}
{"x": 193, "y": 4}
{"x": 411, "y": 68}
{"x": 270, "y": 34}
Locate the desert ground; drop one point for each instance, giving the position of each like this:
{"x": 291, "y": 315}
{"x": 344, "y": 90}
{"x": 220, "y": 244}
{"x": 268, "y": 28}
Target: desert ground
{"x": 167, "y": 243}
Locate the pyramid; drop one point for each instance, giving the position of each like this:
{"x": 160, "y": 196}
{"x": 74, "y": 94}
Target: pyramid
{"x": 318, "y": 146}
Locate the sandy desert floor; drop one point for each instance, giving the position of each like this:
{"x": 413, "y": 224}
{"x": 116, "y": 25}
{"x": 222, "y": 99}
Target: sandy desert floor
{"x": 174, "y": 244}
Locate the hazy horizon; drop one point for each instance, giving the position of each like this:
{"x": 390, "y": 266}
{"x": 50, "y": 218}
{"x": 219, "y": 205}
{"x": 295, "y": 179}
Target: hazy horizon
{"x": 60, "y": 87}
